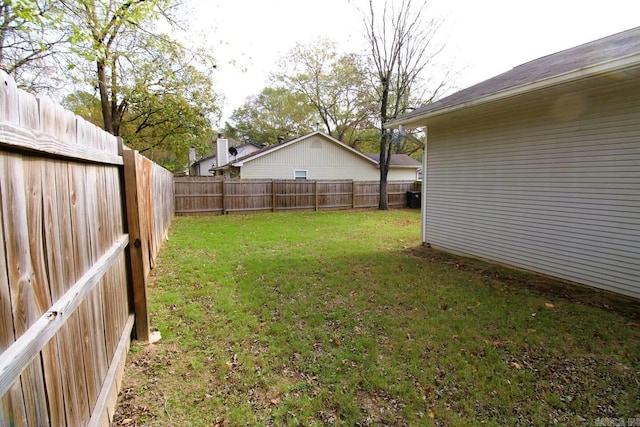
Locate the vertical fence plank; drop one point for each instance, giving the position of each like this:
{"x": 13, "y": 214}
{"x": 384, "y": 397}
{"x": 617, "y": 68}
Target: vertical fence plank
{"x": 82, "y": 252}
{"x": 57, "y": 231}
{"x": 8, "y": 99}
{"x": 274, "y": 195}
{"x": 94, "y": 301}
{"x": 315, "y": 194}
{"x": 145, "y": 181}
{"x": 72, "y": 358}
{"x": 224, "y": 198}
{"x": 12, "y": 403}
{"x": 116, "y": 294}
{"x": 106, "y": 237}
{"x": 36, "y": 181}
{"x": 163, "y": 206}
{"x": 21, "y": 280}
{"x": 353, "y": 195}
{"x": 137, "y": 247}
{"x": 12, "y": 409}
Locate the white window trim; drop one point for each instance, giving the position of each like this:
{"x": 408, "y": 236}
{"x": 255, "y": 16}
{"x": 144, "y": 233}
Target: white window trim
{"x": 306, "y": 174}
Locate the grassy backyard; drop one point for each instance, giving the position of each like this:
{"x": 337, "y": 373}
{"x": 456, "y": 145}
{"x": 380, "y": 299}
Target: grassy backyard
{"x": 342, "y": 318}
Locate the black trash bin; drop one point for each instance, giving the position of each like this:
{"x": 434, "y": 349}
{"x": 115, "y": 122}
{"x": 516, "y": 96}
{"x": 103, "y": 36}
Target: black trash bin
{"x": 413, "y": 199}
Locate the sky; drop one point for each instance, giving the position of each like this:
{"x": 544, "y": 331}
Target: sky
{"x": 483, "y": 37}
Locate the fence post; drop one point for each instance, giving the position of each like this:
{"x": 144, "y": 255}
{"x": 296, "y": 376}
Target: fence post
{"x": 224, "y": 198}
{"x": 353, "y": 194}
{"x": 315, "y": 188}
{"x": 138, "y": 250}
{"x": 273, "y": 195}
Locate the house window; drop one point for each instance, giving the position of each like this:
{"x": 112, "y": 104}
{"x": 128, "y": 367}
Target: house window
{"x": 300, "y": 174}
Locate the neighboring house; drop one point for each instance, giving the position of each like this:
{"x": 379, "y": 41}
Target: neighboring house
{"x": 202, "y": 166}
{"x": 539, "y": 167}
{"x": 316, "y": 156}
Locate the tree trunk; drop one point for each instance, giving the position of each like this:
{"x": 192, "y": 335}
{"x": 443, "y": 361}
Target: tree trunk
{"x": 385, "y": 153}
{"x": 104, "y": 98}
{"x": 116, "y": 110}
{"x": 385, "y": 145}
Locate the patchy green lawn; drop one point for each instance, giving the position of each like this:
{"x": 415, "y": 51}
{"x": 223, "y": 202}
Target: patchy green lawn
{"x": 342, "y": 318}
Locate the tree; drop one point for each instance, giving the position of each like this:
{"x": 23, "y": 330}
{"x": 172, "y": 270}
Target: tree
{"x": 29, "y": 42}
{"x": 105, "y": 33}
{"x": 152, "y": 91}
{"x": 402, "y": 41}
{"x": 170, "y": 106}
{"x": 334, "y": 85}
{"x": 85, "y": 105}
{"x": 275, "y": 112}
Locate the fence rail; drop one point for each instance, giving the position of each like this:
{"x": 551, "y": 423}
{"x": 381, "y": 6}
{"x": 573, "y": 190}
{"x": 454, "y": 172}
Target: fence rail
{"x": 215, "y": 196}
{"x": 68, "y": 253}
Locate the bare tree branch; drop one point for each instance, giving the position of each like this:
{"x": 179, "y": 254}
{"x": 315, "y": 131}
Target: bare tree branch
{"x": 403, "y": 46}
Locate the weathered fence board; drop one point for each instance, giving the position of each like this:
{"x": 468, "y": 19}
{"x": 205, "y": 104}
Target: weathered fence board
{"x": 11, "y": 402}
{"x": 65, "y": 289}
{"x": 159, "y": 205}
{"x": 210, "y": 195}
{"x": 24, "y": 288}
{"x": 27, "y": 346}
{"x": 35, "y": 172}
{"x": 199, "y": 196}
{"x": 139, "y": 248}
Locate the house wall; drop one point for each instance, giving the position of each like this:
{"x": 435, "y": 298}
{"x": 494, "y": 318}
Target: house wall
{"x": 202, "y": 168}
{"x": 322, "y": 159}
{"x": 401, "y": 174}
{"x": 550, "y": 185}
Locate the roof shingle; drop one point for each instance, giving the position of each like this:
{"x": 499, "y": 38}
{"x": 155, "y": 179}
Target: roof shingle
{"x": 616, "y": 46}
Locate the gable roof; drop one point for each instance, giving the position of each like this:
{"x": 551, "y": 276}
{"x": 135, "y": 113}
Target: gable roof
{"x": 398, "y": 160}
{"x": 271, "y": 148}
{"x": 203, "y": 159}
{"x": 213, "y": 156}
{"x": 617, "y": 52}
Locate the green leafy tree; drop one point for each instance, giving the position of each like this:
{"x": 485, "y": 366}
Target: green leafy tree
{"x": 334, "y": 85}
{"x": 105, "y": 33}
{"x": 170, "y": 106}
{"x": 168, "y": 109}
{"x": 86, "y": 105}
{"x": 275, "y": 112}
{"x": 151, "y": 90}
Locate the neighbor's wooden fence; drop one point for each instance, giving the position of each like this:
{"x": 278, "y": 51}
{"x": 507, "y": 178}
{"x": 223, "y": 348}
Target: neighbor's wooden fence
{"x": 79, "y": 224}
{"x": 209, "y": 195}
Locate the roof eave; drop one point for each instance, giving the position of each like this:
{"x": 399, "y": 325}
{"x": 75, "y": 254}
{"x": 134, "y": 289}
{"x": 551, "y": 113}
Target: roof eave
{"x": 617, "y": 65}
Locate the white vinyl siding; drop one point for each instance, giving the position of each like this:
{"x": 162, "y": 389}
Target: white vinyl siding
{"x": 529, "y": 186}
{"x": 322, "y": 159}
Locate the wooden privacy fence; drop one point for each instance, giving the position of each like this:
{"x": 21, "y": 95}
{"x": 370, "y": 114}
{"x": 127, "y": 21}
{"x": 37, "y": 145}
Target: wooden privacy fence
{"x": 210, "y": 195}
{"x": 81, "y": 219}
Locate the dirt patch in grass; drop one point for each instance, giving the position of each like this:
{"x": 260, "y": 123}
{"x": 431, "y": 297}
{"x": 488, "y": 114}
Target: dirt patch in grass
{"x": 551, "y": 287}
